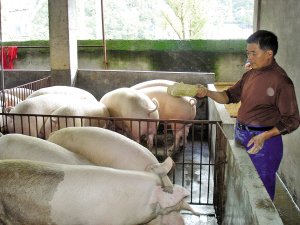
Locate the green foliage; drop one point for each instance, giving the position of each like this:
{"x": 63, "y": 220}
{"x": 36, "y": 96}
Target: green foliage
{"x": 128, "y": 19}
{"x": 234, "y": 12}
{"x": 187, "y": 18}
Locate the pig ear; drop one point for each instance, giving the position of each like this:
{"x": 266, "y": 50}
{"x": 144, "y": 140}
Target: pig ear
{"x": 165, "y": 199}
{"x": 161, "y": 169}
{"x": 193, "y": 102}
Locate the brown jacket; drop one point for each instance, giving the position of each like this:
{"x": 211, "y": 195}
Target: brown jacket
{"x": 267, "y": 98}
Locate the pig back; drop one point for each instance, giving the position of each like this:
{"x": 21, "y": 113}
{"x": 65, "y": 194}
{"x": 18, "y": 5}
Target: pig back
{"x": 153, "y": 83}
{"x": 64, "y": 90}
{"x": 104, "y": 147}
{"x": 127, "y": 102}
{"x": 18, "y": 146}
{"x": 26, "y": 188}
{"x": 171, "y": 107}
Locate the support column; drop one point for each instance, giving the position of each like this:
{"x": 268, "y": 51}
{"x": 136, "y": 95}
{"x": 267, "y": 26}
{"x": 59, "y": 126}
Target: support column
{"x": 63, "y": 41}
{"x": 256, "y": 15}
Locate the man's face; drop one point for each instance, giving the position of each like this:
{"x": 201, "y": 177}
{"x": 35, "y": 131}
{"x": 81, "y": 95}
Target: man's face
{"x": 257, "y": 57}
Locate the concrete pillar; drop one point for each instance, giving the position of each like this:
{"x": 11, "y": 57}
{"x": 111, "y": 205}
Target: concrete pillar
{"x": 256, "y": 15}
{"x": 63, "y": 41}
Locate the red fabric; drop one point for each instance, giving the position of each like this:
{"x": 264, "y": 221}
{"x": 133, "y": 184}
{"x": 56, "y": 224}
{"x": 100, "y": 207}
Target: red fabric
{"x": 4, "y": 58}
{"x": 11, "y": 53}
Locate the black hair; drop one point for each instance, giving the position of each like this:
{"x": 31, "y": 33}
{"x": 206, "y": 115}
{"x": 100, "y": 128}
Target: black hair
{"x": 265, "y": 39}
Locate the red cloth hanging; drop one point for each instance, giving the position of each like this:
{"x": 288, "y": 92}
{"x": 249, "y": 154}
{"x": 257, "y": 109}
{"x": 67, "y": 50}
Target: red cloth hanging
{"x": 4, "y": 58}
{"x": 11, "y": 53}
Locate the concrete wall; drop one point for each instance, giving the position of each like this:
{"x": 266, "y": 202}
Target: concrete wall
{"x": 13, "y": 78}
{"x": 282, "y": 18}
{"x": 225, "y": 58}
{"x": 247, "y": 200}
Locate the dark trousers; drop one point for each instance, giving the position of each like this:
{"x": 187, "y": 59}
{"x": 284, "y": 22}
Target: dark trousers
{"x": 267, "y": 160}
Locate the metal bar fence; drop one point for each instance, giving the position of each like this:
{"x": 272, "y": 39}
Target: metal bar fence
{"x": 196, "y": 168}
{"x": 219, "y": 175}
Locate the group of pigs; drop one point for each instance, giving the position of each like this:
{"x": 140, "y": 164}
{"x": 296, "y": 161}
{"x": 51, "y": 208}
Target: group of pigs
{"x": 85, "y": 174}
{"x": 146, "y": 100}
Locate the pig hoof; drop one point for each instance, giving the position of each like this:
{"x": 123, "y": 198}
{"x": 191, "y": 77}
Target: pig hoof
{"x": 168, "y": 189}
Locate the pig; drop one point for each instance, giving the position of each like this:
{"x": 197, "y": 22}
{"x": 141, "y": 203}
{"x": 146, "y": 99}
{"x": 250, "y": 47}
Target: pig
{"x": 130, "y": 103}
{"x": 19, "y": 146}
{"x": 104, "y": 147}
{"x": 43, "y": 104}
{"x": 110, "y": 149}
{"x": 9, "y": 100}
{"x": 80, "y": 108}
{"x": 153, "y": 83}
{"x": 35, "y": 192}
{"x": 64, "y": 90}
{"x": 21, "y": 93}
{"x": 170, "y": 107}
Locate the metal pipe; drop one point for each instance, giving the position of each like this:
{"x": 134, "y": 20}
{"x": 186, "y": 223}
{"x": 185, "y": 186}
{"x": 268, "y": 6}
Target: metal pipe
{"x": 2, "y": 71}
{"x": 103, "y": 35}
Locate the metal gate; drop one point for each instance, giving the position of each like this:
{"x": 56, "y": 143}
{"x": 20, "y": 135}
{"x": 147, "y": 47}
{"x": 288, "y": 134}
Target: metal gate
{"x": 199, "y": 164}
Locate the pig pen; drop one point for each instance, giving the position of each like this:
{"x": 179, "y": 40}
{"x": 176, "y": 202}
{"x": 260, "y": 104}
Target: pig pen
{"x": 195, "y": 166}
{"x": 210, "y": 167}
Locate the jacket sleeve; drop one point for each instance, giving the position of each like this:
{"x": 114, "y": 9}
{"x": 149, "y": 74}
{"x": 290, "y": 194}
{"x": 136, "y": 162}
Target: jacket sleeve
{"x": 288, "y": 107}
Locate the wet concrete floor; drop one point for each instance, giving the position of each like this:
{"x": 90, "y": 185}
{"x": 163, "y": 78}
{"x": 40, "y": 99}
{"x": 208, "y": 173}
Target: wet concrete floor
{"x": 285, "y": 206}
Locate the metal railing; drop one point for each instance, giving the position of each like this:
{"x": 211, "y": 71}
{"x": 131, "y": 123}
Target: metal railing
{"x": 199, "y": 166}
{"x": 196, "y": 168}
{"x": 11, "y": 96}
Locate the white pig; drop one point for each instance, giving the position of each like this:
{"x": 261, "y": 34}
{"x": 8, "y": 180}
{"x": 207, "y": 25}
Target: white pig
{"x": 48, "y": 193}
{"x": 130, "y": 103}
{"x": 9, "y": 100}
{"x": 64, "y": 90}
{"x": 43, "y": 104}
{"x": 153, "y": 83}
{"x": 80, "y": 108}
{"x": 19, "y": 146}
{"x": 170, "y": 107}
{"x": 21, "y": 93}
{"x": 108, "y": 148}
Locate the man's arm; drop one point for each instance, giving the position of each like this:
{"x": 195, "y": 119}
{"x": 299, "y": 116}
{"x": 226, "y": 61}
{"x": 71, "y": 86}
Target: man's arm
{"x": 259, "y": 140}
{"x": 218, "y": 96}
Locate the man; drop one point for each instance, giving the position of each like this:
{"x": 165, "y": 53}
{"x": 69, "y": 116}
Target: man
{"x": 268, "y": 106}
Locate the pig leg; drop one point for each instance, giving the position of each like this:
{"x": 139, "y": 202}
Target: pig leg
{"x": 150, "y": 141}
{"x": 187, "y": 130}
{"x": 178, "y": 134}
{"x": 186, "y": 206}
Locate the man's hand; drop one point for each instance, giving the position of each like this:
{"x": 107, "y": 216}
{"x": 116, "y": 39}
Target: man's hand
{"x": 202, "y": 91}
{"x": 258, "y": 143}
{"x": 260, "y": 139}
{"x": 248, "y": 66}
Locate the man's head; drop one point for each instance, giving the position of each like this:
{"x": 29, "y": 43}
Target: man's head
{"x": 261, "y": 49}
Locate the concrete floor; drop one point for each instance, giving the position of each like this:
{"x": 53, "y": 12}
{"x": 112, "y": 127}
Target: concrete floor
{"x": 192, "y": 171}
{"x": 285, "y": 206}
